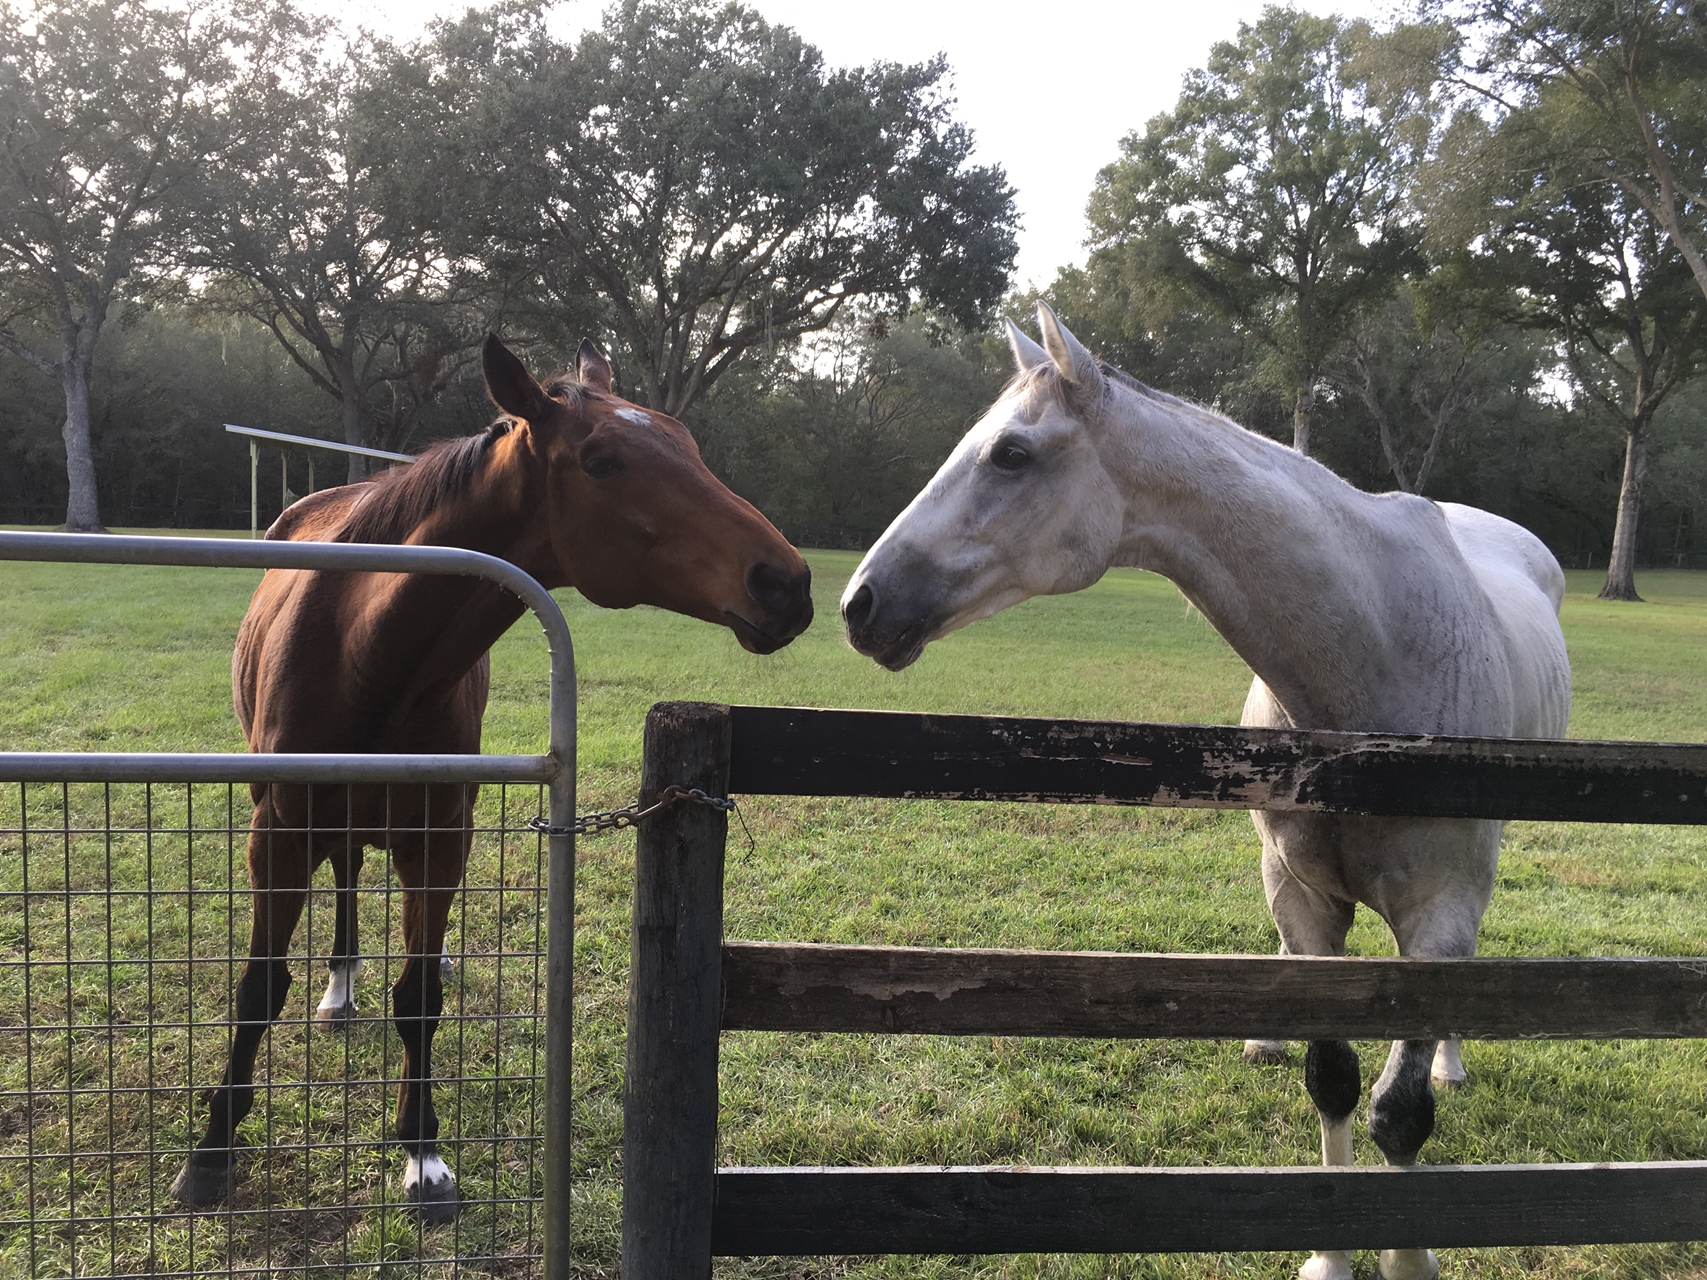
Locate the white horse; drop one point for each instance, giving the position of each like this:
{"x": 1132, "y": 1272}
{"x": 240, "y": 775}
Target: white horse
{"x": 1383, "y": 613}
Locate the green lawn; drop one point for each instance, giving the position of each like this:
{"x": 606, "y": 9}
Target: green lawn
{"x": 96, "y": 658}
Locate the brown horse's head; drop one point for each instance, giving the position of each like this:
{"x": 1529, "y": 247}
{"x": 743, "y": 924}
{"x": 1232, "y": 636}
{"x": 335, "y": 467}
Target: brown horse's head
{"x": 636, "y": 517}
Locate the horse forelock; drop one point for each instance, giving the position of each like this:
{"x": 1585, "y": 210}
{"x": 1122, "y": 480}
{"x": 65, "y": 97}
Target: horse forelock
{"x": 567, "y": 387}
{"x": 1036, "y": 389}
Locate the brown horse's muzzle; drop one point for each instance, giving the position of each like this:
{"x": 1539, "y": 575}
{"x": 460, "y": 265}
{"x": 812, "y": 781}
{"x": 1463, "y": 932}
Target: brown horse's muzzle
{"x": 779, "y": 607}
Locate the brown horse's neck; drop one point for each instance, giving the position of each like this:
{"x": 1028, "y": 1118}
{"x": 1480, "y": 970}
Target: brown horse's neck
{"x": 433, "y": 630}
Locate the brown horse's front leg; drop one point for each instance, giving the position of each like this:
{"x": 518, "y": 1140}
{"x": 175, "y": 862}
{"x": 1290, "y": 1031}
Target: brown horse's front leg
{"x": 278, "y": 873}
{"x": 431, "y": 879}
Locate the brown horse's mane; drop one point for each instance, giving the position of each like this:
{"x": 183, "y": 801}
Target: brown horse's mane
{"x": 399, "y": 500}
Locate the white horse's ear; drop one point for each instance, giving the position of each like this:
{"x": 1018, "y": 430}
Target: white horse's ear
{"x": 1027, "y": 354}
{"x": 1077, "y": 366}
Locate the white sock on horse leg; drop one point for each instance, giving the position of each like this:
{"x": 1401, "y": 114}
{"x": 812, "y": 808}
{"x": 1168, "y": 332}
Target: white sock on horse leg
{"x": 1336, "y": 1142}
{"x": 1331, "y": 1264}
{"x": 340, "y": 997}
{"x": 1448, "y": 1068}
{"x": 1265, "y": 1051}
{"x": 426, "y": 1170}
{"x": 1409, "y": 1264}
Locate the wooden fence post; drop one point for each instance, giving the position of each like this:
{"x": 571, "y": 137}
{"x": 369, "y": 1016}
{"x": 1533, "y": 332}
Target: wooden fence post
{"x": 669, "y": 1135}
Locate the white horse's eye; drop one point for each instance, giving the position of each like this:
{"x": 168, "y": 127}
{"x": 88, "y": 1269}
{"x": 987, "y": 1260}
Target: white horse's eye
{"x": 1009, "y": 457}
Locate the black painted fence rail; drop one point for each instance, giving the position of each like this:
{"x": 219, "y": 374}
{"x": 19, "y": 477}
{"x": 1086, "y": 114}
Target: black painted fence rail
{"x": 688, "y": 984}
{"x": 1195, "y": 1210}
{"x": 805, "y": 752}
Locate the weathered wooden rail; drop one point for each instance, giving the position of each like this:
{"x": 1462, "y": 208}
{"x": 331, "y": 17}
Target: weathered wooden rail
{"x": 688, "y": 984}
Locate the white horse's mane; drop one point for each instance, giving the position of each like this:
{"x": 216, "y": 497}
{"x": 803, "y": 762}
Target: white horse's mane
{"x": 1044, "y": 380}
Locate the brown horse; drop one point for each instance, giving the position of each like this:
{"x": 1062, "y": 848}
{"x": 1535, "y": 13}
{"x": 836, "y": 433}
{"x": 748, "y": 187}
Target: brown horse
{"x": 579, "y": 488}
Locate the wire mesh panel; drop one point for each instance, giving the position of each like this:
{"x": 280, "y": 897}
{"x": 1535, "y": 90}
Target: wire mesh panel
{"x": 125, "y": 915}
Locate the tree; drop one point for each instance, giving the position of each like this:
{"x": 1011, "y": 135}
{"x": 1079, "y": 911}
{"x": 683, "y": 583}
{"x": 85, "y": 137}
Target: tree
{"x": 1596, "y": 272}
{"x": 316, "y": 229}
{"x": 838, "y": 434}
{"x": 708, "y": 184}
{"x": 1614, "y": 90}
{"x": 1427, "y": 357}
{"x": 1274, "y": 194}
{"x": 109, "y": 111}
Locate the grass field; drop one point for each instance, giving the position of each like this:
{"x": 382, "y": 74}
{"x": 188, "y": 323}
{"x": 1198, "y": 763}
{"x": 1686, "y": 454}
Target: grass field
{"x": 96, "y": 658}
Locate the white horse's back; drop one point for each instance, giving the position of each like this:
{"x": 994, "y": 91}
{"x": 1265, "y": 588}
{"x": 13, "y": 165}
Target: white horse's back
{"x": 1525, "y": 586}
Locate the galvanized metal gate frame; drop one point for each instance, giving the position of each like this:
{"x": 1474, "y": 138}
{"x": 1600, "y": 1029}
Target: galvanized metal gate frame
{"x": 556, "y": 768}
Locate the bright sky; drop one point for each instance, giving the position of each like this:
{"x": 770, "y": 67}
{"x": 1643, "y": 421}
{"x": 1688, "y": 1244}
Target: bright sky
{"x": 1049, "y": 88}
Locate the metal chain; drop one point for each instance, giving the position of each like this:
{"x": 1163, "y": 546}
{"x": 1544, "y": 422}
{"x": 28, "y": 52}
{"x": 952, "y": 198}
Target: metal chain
{"x": 629, "y": 814}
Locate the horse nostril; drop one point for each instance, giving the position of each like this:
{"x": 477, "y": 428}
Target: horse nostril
{"x": 775, "y": 589}
{"x": 856, "y": 610}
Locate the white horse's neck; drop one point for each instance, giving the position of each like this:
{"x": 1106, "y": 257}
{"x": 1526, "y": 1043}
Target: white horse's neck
{"x": 1338, "y": 600}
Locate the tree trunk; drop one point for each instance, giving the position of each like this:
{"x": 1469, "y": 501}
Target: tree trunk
{"x": 82, "y": 506}
{"x": 355, "y": 424}
{"x": 1303, "y": 411}
{"x": 1621, "y": 571}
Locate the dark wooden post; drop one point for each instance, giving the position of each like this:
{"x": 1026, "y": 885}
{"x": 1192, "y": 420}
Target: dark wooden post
{"x": 675, "y": 992}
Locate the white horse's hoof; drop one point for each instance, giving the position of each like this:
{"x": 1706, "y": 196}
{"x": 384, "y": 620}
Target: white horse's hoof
{"x": 1327, "y": 1266}
{"x": 1450, "y": 1083}
{"x": 430, "y": 1187}
{"x": 1409, "y": 1264}
{"x": 1266, "y": 1053}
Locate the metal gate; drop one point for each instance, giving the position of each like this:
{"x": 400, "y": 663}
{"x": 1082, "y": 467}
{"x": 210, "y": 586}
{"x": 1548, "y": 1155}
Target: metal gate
{"x": 124, "y": 911}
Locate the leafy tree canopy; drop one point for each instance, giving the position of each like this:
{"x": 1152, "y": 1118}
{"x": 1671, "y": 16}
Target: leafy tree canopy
{"x": 313, "y": 229}
{"x": 109, "y": 111}
{"x": 1274, "y": 195}
{"x": 1608, "y": 90}
{"x": 704, "y": 183}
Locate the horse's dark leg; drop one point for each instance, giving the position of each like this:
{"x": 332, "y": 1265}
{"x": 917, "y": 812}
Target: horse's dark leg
{"x": 1401, "y": 1106}
{"x": 338, "y": 1006}
{"x": 430, "y": 867}
{"x": 278, "y": 873}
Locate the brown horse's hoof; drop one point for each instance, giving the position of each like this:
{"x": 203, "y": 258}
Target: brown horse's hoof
{"x": 335, "y": 1017}
{"x": 430, "y": 1187}
{"x": 202, "y": 1182}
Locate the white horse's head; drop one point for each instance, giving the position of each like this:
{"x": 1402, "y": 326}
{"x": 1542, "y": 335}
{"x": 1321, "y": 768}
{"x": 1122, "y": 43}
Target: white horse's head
{"x": 1024, "y": 506}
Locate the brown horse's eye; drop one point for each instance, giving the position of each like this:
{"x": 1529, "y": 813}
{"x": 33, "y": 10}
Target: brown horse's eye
{"x": 1008, "y": 456}
{"x": 601, "y": 465}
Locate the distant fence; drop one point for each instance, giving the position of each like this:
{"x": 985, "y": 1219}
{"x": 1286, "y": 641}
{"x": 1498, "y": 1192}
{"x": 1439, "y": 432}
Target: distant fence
{"x": 688, "y": 984}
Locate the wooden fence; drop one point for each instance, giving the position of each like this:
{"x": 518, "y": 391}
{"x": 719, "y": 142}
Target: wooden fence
{"x": 688, "y": 984}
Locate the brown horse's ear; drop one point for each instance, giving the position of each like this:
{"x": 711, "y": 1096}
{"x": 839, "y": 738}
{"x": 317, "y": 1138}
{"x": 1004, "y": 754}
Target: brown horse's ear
{"x": 510, "y": 385}
{"x": 591, "y": 366}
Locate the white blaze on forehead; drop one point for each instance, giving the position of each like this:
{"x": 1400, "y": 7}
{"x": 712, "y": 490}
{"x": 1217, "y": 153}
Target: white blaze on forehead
{"x": 635, "y": 415}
